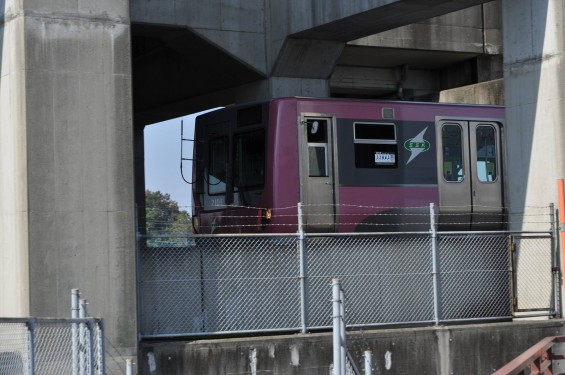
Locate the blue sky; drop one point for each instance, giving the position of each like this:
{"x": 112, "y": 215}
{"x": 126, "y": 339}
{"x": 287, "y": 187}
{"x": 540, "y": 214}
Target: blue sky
{"x": 162, "y": 158}
{"x": 163, "y": 155}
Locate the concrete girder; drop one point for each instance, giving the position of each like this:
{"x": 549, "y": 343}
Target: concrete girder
{"x": 181, "y": 66}
{"x": 457, "y": 32}
{"x": 305, "y": 58}
{"x": 344, "y": 22}
{"x": 234, "y": 26}
{"x": 394, "y": 83}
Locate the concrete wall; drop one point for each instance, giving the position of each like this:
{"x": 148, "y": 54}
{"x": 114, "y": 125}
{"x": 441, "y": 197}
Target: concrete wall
{"x": 14, "y": 285}
{"x": 534, "y": 71}
{"x": 491, "y": 92}
{"x": 66, "y": 204}
{"x": 461, "y": 350}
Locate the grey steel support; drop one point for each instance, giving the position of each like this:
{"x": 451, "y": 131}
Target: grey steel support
{"x": 336, "y": 327}
{"x": 435, "y": 263}
{"x": 302, "y": 277}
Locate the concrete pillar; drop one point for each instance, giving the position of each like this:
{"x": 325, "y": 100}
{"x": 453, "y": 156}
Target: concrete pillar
{"x": 534, "y": 73}
{"x": 66, "y": 157}
{"x": 14, "y": 288}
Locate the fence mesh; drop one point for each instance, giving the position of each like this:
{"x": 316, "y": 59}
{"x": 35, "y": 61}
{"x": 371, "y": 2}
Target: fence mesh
{"x": 387, "y": 279}
{"x": 474, "y": 276}
{"x": 51, "y": 346}
{"x": 14, "y": 354}
{"x": 533, "y": 265}
{"x": 225, "y": 284}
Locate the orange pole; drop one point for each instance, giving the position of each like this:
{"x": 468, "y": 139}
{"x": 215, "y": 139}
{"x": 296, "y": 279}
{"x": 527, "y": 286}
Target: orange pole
{"x": 561, "y": 199}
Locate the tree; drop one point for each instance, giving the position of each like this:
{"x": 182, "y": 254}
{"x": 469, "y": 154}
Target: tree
{"x": 162, "y": 215}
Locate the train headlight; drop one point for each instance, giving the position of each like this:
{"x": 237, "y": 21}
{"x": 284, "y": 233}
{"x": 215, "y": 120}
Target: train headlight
{"x": 266, "y": 215}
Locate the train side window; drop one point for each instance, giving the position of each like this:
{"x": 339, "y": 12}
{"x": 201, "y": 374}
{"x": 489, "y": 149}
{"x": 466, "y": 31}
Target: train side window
{"x": 486, "y": 153}
{"x": 375, "y": 145}
{"x": 452, "y": 135}
{"x": 249, "y": 160}
{"x": 317, "y": 131}
{"x": 317, "y": 137}
{"x": 317, "y": 161}
{"x": 217, "y": 165}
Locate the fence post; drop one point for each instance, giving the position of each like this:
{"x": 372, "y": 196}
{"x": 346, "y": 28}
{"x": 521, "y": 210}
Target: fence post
{"x": 90, "y": 341}
{"x": 336, "y": 327}
{"x": 31, "y": 345}
{"x": 368, "y": 362}
{"x": 343, "y": 338}
{"x": 301, "y": 256}
{"x": 82, "y": 339}
{"x": 435, "y": 263}
{"x": 101, "y": 349}
{"x": 75, "y": 296}
{"x": 555, "y": 268}
{"x": 129, "y": 367}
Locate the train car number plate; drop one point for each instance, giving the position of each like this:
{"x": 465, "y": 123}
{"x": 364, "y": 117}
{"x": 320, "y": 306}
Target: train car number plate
{"x": 385, "y": 158}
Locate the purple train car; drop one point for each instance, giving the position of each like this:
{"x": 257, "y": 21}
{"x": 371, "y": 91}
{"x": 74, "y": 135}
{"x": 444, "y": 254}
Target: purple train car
{"x": 354, "y": 165}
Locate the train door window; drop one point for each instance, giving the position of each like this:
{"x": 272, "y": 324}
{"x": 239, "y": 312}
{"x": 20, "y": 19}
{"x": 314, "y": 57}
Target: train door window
{"x": 217, "y": 165}
{"x": 375, "y": 145}
{"x": 249, "y": 160}
{"x": 453, "y": 170}
{"x": 486, "y": 153}
{"x": 317, "y": 147}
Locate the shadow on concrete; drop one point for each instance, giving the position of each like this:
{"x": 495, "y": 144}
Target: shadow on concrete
{"x": 172, "y": 67}
{"x": 524, "y": 27}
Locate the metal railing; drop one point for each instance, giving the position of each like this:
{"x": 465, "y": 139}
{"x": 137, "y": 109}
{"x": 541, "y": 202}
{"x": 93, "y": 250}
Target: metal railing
{"x": 234, "y": 284}
{"x": 536, "y": 360}
{"x": 47, "y": 346}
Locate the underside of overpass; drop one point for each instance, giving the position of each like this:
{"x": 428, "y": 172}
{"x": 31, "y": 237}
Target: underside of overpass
{"x": 184, "y": 65}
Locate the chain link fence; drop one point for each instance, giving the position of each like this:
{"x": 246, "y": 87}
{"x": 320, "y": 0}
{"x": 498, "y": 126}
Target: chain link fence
{"x": 220, "y": 284}
{"x": 34, "y": 346}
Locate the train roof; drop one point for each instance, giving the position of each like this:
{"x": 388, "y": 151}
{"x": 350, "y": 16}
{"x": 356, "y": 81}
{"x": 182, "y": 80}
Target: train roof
{"x": 441, "y": 106}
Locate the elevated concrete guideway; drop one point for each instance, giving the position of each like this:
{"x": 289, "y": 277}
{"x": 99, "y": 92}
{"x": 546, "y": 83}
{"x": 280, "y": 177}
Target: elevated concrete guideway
{"x": 200, "y": 56}
{"x": 348, "y": 21}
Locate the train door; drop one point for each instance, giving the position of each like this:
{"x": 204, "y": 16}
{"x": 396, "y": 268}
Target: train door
{"x": 469, "y": 175}
{"x": 317, "y": 176}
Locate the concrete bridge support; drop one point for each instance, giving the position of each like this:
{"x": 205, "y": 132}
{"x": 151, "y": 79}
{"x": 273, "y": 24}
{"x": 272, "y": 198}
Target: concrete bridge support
{"x": 66, "y": 197}
{"x": 534, "y": 74}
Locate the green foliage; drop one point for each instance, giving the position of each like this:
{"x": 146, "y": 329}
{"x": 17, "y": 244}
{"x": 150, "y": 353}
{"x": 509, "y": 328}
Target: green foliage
{"x": 163, "y": 216}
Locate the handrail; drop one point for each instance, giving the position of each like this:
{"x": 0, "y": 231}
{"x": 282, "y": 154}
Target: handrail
{"x": 538, "y": 358}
